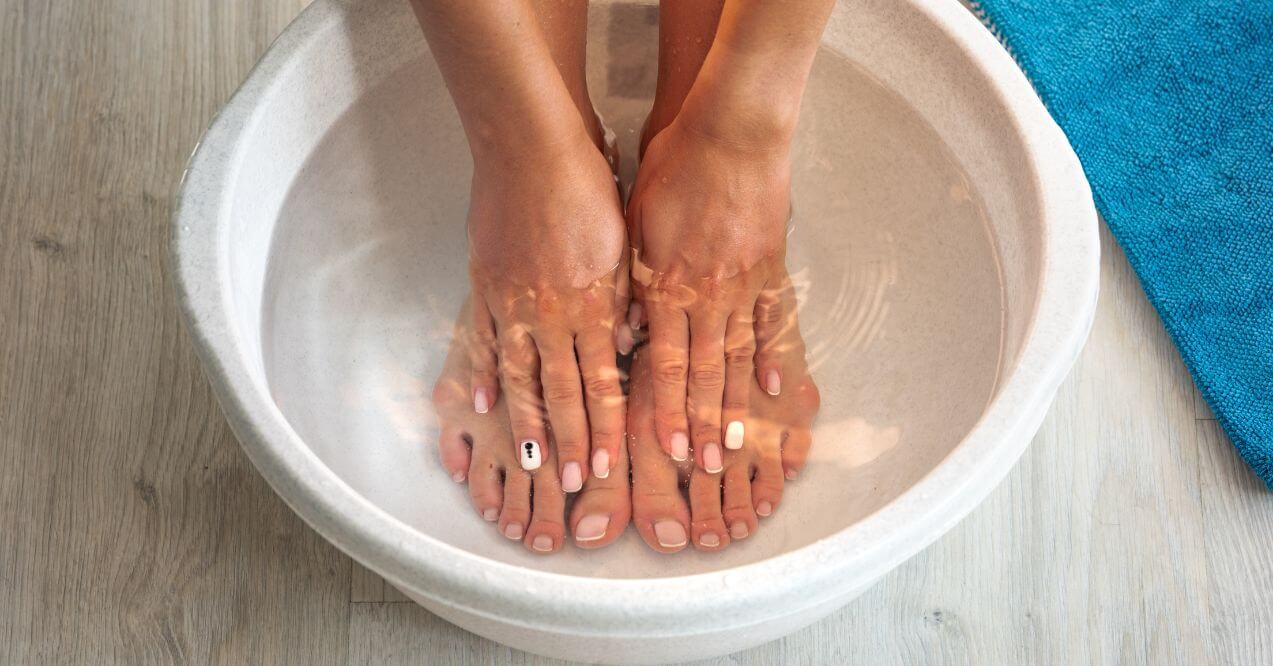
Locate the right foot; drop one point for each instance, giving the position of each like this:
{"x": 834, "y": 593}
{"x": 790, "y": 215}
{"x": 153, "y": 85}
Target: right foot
{"x": 723, "y": 505}
{"x": 549, "y": 278}
{"x": 525, "y": 506}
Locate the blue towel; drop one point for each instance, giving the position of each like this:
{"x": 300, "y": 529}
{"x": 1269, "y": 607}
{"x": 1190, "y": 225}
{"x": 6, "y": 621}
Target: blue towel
{"x": 1169, "y": 105}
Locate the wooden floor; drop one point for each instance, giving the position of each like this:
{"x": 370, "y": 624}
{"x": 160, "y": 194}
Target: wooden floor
{"x": 132, "y": 528}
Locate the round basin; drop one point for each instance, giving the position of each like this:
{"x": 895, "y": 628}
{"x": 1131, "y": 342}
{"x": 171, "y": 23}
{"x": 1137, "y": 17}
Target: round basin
{"x": 943, "y": 244}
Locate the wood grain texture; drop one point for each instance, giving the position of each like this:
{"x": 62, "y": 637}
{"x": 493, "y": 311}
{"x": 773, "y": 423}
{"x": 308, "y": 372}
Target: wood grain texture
{"x": 132, "y": 528}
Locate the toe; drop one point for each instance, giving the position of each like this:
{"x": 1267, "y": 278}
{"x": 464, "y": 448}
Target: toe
{"x": 707, "y": 525}
{"x": 658, "y": 508}
{"x": 601, "y": 512}
{"x": 738, "y": 502}
{"x": 454, "y": 451}
{"x": 486, "y": 488}
{"x": 516, "y": 512}
{"x": 546, "y": 531}
{"x": 766, "y": 488}
{"x": 795, "y": 452}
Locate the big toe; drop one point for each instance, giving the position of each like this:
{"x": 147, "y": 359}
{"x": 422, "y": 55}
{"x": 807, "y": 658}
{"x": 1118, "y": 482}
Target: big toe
{"x": 603, "y": 508}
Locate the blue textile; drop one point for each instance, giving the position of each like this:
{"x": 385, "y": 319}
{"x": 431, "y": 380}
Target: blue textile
{"x": 1169, "y": 105}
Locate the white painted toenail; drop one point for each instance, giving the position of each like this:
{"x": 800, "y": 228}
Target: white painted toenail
{"x": 531, "y": 459}
{"x": 513, "y": 531}
{"x": 490, "y": 515}
{"x": 458, "y": 477}
{"x": 773, "y": 383}
{"x": 571, "y": 477}
{"x": 734, "y": 435}
{"x": 481, "y": 401}
{"x": 542, "y": 543}
{"x": 711, "y": 458}
{"x": 710, "y": 539}
{"x": 764, "y": 508}
{"x": 591, "y": 528}
{"x": 601, "y": 464}
{"x": 680, "y": 446}
{"x": 738, "y": 530}
{"x": 670, "y": 534}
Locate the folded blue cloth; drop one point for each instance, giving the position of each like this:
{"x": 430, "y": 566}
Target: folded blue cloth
{"x": 1169, "y": 105}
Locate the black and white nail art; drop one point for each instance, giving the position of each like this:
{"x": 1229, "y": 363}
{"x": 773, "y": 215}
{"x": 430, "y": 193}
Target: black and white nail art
{"x": 531, "y": 459}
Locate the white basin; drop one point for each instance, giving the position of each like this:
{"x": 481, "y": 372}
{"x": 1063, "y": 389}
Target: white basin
{"x": 944, "y": 243}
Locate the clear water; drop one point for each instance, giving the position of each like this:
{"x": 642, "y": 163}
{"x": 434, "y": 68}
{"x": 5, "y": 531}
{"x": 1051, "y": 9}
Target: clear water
{"x": 899, "y": 282}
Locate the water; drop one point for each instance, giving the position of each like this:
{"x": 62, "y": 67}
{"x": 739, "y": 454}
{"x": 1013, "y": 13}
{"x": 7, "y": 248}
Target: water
{"x": 897, "y": 274}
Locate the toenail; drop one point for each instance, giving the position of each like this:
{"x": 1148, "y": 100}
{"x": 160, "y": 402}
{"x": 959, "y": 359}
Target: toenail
{"x": 591, "y": 528}
{"x": 601, "y": 464}
{"x": 791, "y": 475}
{"x": 680, "y": 446}
{"x": 481, "y": 401}
{"x": 773, "y": 383}
{"x": 542, "y": 543}
{"x": 734, "y": 435}
{"x": 710, "y": 539}
{"x": 529, "y": 451}
{"x": 670, "y": 533}
{"x": 513, "y": 530}
{"x": 634, "y": 317}
{"x": 738, "y": 530}
{"x": 711, "y": 458}
{"x": 571, "y": 477}
{"x": 458, "y": 477}
{"x": 764, "y": 508}
{"x": 490, "y": 515}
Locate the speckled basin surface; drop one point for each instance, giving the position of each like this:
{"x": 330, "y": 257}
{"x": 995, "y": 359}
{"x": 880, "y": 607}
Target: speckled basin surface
{"x": 944, "y": 246}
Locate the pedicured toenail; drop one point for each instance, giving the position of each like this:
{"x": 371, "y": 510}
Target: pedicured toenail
{"x": 791, "y": 474}
{"x": 591, "y": 528}
{"x": 670, "y": 533}
{"x": 458, "y": 477}
{"x": 601, "y": 464}
{"x": 513, "y": 531}
{"x": 773, "y": 383}
{"x": 680, "y": 446}
{"x": 711, "y": 458}
{"x": 710, "y": 540}
{"x": 542, "y": 543}
{"x": 531, "y": 460}
{"x": 764, "y": 508}
{"x": 734, "y": 435}
{"x": 490, "y": 515}
{"x": 738, "y": 530}
{"x": 571, "y": 477}
{"x": 481, "y": 401}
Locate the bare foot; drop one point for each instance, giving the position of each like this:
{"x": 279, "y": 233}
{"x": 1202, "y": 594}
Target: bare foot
{"x": 526, "y": 506}
{"x": 723, "y": 505}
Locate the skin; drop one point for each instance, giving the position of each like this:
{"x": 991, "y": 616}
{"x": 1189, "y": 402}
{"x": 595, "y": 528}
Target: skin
{"x": 724, "y": 506}
{"x": 524, "y": 506}
{"x": 545, "y": 225}
{"x": 708, "y": 212}
{"x": 718, "y": 508}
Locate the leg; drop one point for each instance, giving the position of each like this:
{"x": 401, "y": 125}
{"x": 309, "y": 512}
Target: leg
{"x": 686, "y": 30}
{"x": 565, "y": 27}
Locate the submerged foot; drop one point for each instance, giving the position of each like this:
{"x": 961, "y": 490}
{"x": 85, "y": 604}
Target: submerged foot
{"x": 525, "y": 506}
{"x": 723, "y": 505}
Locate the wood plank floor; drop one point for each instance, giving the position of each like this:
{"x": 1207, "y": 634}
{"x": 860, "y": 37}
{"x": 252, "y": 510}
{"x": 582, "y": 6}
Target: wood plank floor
{"x": 132, "y": 528}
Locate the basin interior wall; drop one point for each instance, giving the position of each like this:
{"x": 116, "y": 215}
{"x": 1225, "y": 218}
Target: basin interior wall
{"x": 914, "y": 247}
